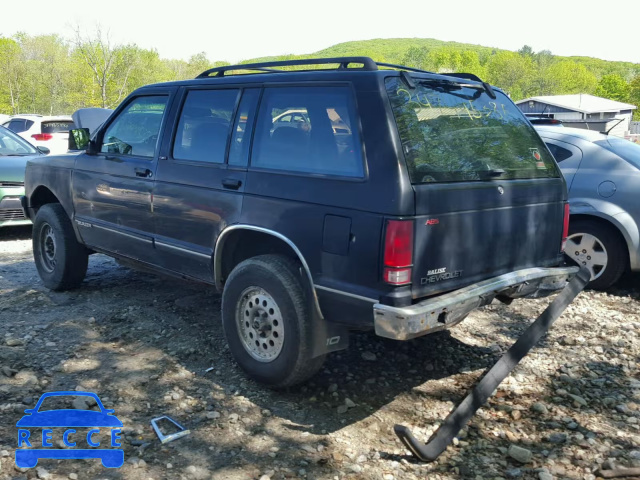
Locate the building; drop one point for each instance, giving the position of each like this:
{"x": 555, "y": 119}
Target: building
{"x": 582, "y": 111}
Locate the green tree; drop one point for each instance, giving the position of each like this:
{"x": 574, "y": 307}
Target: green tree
{"x": 569, "y": 77}
{"x": 634, "y": 96}
{"x": 613, "y": 87}
{"x": 511, "y": 72}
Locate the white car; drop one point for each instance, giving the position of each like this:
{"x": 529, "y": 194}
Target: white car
{"x": 41, "y": 131}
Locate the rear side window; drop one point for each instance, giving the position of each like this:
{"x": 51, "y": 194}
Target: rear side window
{"x": 559, "y": 153}
{"x": 455, "y": 132}
{"x": 19, "y": 125}
{"x": 204, "y": 126}
{"x": 57, "y": 126}
{"x": 308, "y": 130}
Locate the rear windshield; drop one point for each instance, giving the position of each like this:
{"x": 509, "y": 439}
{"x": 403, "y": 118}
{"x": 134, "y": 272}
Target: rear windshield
{"x": 58, "y": 126}
{"x": 455, "y": 132}
{"x": 623, "y": 148}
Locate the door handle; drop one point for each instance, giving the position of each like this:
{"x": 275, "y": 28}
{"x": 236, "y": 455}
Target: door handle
{"x": 143, "y": 172}
{"x": 232, "y": 183}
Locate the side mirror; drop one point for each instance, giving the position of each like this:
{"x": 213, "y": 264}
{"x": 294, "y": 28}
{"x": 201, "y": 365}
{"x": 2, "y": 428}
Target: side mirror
{"x": 79, "y": 139}
{"x": 44, "y": 150}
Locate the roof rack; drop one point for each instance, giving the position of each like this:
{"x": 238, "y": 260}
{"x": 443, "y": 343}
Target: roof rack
{"x": 344, "y": 62}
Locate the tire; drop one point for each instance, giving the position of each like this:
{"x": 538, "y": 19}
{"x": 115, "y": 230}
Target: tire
{"x": 598, "y": 247}
{"x": 271, "y": 339}
{"x": 60, "y": 260}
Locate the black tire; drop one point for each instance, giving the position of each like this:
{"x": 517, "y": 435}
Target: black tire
{"x": 60, "y": 260}
{"x": 278, "y": 278}
{"x": 616, "y": 251}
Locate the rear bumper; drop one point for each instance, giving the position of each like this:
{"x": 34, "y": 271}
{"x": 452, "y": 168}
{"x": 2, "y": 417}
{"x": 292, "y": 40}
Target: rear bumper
{"x": 438, "y": 313}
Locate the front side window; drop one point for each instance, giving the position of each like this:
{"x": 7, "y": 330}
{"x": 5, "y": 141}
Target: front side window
{"x": 135, "y": 131}
{"x": 455, "y": 132}
{"x": 308, "y": 130}
{"x": 204, "y": 126}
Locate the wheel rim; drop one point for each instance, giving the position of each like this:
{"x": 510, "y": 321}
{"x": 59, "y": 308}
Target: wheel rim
{"x": 588, "y": 251}
{"x": 259, "y": 323}
{"x": 47, "y": 247}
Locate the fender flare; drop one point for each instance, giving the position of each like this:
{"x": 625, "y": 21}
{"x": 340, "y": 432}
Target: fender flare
{"x": 219, "y": 248}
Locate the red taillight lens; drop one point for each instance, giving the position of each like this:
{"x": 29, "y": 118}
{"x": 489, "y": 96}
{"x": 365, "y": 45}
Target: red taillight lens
{"x": 565, "y": 227}
{"x": 42, "y": 136}
{"x": 398, "y": 252}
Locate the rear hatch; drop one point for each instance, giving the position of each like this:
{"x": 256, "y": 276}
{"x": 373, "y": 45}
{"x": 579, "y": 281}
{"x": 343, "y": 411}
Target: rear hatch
{"x": 489, "y": 197}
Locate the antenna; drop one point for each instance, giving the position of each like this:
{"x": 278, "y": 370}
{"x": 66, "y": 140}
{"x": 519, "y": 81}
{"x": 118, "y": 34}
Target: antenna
{"x": 619, "y": 122}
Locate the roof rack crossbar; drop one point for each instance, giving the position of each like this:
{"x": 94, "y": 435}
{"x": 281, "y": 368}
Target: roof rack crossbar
{"x": 402, "y": 67}
{"x": 343, "y": 62}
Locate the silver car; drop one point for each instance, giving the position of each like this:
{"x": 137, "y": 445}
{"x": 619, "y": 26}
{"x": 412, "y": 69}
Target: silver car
{"x": 603, "y": 178}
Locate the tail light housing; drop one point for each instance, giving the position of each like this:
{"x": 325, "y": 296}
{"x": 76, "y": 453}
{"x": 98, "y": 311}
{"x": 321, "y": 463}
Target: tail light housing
{"x": 565, "y": 227}
{"x": 41, "y": 137}
{"x": 398, "y": 252}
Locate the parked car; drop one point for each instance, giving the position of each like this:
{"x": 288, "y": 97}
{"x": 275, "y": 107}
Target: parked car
{"x": 603, "y": 177}
{"x": 49, "y": 132}
{"x": 404, "y": 221}
{"x": 14, "y": 154}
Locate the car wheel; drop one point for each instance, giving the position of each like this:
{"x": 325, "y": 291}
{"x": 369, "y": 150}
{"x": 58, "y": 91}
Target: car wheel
{"x": 598, "y": 247}
{"x": 60, "y": 260}
{"x": 267, "y": 322}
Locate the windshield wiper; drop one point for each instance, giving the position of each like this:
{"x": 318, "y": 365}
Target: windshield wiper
{"x": 451, "y": 84}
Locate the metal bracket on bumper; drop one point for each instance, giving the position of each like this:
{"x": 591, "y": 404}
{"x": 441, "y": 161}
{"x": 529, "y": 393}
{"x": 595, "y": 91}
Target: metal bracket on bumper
{"x": 490, "y": 381}
{"x": 444, "y": 311}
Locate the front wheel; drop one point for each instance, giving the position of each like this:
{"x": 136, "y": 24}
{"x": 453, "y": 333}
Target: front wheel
{"x": 60, "y": 259}
{"x": 598, "y": 247}
{"x": 267, "y": 322}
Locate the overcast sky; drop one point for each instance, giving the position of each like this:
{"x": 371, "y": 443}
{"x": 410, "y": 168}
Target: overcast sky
{"x": 236, "y": 30}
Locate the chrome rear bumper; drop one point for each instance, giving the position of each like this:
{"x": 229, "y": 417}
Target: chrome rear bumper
{"x": 438, "y": 313}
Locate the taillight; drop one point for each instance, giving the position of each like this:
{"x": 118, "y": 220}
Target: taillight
{"x": 42, "y": 136}
{"x": 565, "y": 227}
{"x": 398, "y": 252}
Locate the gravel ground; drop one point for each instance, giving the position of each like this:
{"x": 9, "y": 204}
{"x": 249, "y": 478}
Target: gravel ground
{"x": 145, "y": 345}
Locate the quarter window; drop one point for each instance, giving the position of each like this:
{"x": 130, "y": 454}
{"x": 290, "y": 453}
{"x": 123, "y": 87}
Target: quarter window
{"x": 135, "y": 130}
{"x": 310, "y": 130}
{"x": 559, "y": 153}
{"x": 204, "y": 125}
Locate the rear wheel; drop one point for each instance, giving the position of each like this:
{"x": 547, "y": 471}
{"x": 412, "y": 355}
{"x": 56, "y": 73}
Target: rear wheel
{"x": 599, "y": 248}
{"x": 267, "y": 323}
{"x": 60, "y": 260}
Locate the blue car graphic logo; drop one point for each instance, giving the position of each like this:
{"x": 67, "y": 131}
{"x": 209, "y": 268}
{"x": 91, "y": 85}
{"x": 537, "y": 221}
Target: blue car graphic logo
{"x": 69, "y": 419}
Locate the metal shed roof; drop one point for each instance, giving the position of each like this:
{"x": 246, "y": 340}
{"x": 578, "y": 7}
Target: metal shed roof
{"x": 581, "y": 102}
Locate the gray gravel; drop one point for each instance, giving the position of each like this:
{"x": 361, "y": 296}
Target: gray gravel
{"x": 145, "y": 345}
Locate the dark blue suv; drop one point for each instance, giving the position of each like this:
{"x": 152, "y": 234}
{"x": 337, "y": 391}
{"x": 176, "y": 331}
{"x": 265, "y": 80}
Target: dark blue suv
{"x": 350, "y": 195}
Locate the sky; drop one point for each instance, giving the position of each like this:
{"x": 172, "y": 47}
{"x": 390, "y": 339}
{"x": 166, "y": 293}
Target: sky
{"x": 234, "y": 30}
